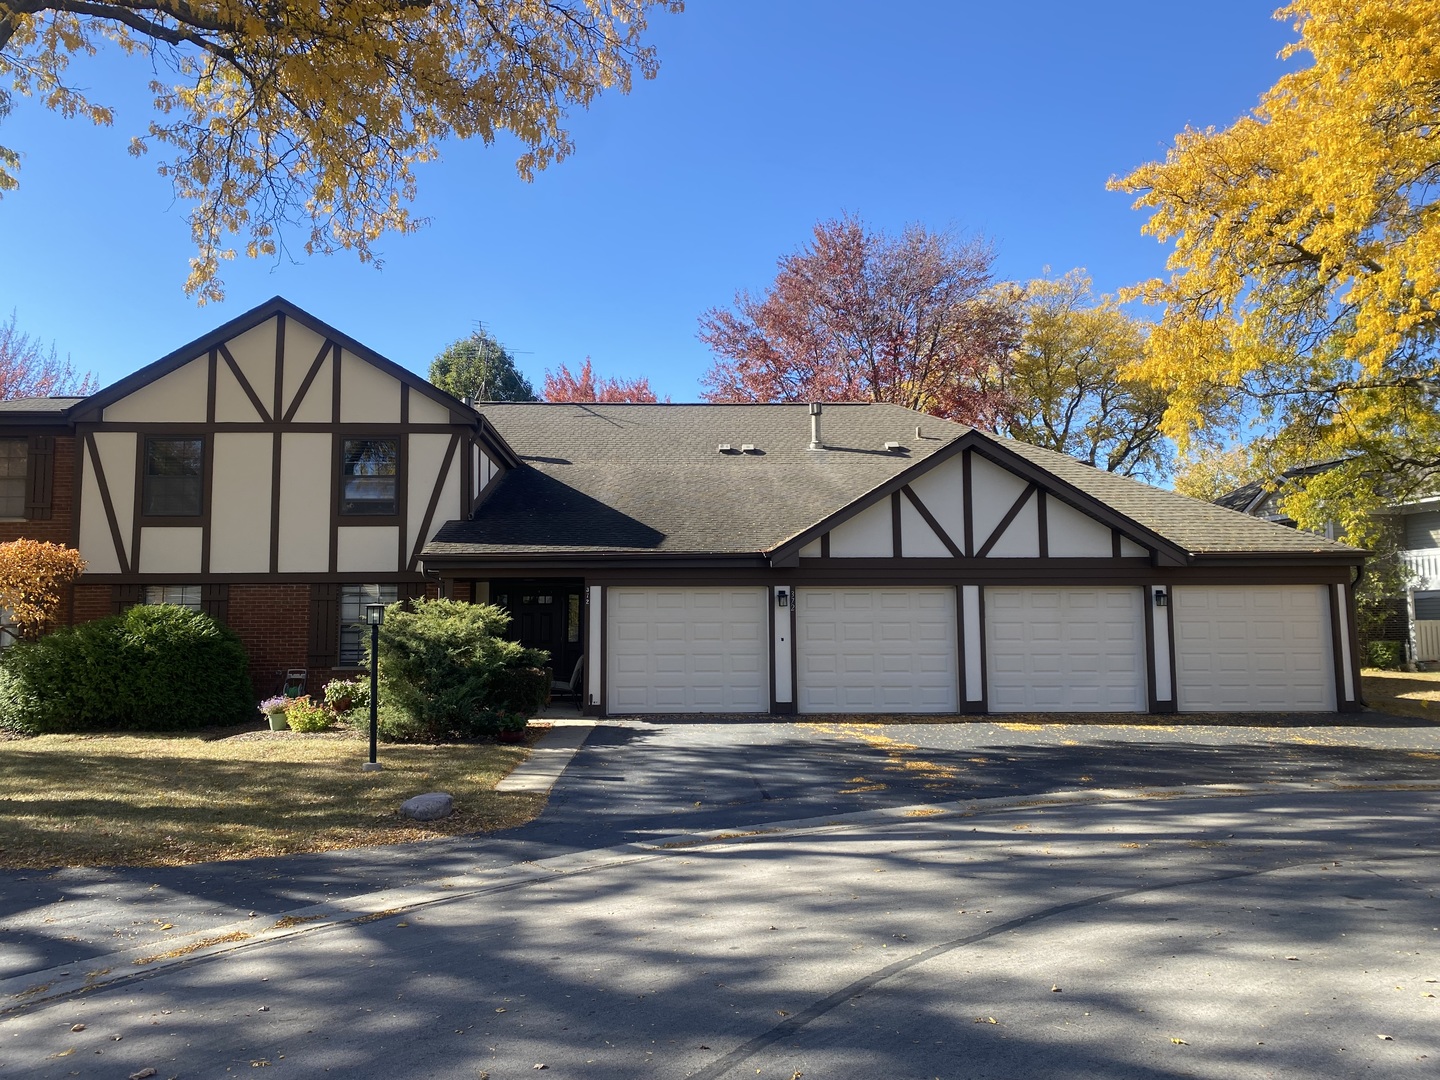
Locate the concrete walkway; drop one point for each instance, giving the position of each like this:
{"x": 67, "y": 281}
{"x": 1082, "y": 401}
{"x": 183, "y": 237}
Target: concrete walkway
{"x": 549, "y": 757}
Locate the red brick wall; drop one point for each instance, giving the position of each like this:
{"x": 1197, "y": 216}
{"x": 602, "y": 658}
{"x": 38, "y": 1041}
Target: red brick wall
{"x": 56, "y": 528}
{"x": 274, "y": 623}
{"x": 91, "y": 602}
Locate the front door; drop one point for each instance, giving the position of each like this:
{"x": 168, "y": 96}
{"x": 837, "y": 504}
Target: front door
{"x": 547, "y": 615}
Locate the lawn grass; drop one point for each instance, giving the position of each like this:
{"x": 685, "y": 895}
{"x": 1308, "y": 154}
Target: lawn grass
{"x": 1406, "y": 693}
{"x": 164, "y": 800}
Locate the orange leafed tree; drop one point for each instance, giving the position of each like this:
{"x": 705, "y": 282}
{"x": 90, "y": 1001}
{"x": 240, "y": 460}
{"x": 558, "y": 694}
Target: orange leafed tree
{"x": 33, "y": 578}
{"x": 565, "y": 385}
{"x": 860, "y": 315}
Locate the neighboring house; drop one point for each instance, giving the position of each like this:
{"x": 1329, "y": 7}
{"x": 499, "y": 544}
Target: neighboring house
{"x": 687, "y": 558}
{"x": 1416, "y": 528}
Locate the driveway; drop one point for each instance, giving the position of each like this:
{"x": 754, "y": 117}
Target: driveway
{"x": 635, "y": 780}
{"x": 1289, "y": 933}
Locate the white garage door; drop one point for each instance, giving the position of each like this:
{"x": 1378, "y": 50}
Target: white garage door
{"x": 687, "y": 650}
{"x": 1265, "y": 648}
{"x": 876, "y": 650}
{"x": 1066, "y": 649}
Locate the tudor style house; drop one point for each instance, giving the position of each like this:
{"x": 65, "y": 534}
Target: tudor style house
{"x": 274, "y": 473}
{"x": 672, "y": 558}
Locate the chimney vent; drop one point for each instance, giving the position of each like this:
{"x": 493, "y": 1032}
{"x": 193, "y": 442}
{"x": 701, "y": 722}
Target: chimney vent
{"x": 815, "y": 410}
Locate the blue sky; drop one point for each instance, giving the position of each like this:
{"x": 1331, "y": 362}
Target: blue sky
{"x": 1004, "y": 120}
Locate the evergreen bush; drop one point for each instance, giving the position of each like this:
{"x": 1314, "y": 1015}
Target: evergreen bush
{"x": 447, "y": 672}
{"x": 153, "y": 668}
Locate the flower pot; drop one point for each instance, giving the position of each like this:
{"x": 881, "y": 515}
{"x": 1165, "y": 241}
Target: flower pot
{"x": 278, "y": 721}
{"x": 515, "y": 736}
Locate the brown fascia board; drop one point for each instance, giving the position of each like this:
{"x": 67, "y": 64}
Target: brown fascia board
{"x": 276, "y": 305}
{"x": 46, "y": 423}
{"x": 491, "y": 437}
{"x": 1166, "y": 551}
{"x": 1317, "y": 557}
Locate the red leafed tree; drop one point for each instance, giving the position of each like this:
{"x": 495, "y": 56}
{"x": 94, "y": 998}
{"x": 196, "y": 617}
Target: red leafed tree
{"x": 859, "y": 315}
{"x": 28, "y": 369}
{"x": 563, "y": 385}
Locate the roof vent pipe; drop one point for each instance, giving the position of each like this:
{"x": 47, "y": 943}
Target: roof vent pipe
{"x": 815, "y": 409}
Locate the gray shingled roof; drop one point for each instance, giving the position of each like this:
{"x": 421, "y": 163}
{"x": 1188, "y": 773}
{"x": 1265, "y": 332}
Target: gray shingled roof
{"x": 44, "y": 406}
{"x": 648, "y": 478}
{"x": 1195, "y": 526}
{"x": 624, "y": 479}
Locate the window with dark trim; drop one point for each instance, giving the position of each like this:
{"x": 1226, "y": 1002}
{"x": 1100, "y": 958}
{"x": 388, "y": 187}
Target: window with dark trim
{"x": 14, "y": 477}
{"x": 369, "y": 469}
{"x": 354, "y": 632}
{"x": 173, "y": 482}
{"x": 186, "y": 596}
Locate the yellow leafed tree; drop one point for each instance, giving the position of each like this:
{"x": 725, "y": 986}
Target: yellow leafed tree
{"x": 1304, "y": 284}
{"x": 33, "y": 578}
{"x": 313, "y": 113}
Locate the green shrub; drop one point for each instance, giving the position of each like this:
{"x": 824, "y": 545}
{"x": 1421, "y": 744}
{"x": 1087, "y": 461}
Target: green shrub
{"x": 153, "y": 668}
{"x": 307, "y": 717}
{"x": 447, "y": 673}
{"x": 1384, "y": 654}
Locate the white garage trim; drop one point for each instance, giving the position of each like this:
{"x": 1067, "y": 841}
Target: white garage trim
{"x": 1066, "y": 649}
{"x": 1261, "y": 648}
{"x": 687, "y": 650}
{"x": 876, "y": 650}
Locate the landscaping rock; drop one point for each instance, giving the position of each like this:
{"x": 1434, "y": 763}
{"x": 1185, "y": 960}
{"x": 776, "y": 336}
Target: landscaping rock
{"x": 429, "y": 807}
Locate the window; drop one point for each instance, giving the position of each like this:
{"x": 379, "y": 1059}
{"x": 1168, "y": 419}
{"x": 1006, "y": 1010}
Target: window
{"x": 354, "y": 633}
{"x": 368, "y": 468}
{"x": 1427, "y": 606}
{"x": 186, "y": 596}
{"x": 174, "y": 474}
{"x": 572, "y": 618}
{"x": 14, "y": 463}
{"x": 1422, "y": 531}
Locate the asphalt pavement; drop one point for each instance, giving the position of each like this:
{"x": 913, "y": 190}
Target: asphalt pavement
{"x": 625, "y": 924}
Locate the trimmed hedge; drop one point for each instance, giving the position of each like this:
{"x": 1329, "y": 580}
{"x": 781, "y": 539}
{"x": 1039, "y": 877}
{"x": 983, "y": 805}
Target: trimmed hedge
{"x": 153, "y": 668}
{"x": 447, "y": 673}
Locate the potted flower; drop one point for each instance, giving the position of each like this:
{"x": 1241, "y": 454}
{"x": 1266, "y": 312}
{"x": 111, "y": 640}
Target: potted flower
{"x": 274, "y": 710}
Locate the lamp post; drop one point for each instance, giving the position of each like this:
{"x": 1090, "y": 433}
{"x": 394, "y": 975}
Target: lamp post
{"x": 374, "y": 615}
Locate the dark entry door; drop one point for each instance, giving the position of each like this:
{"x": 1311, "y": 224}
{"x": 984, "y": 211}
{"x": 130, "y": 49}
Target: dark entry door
{"x": 546, "y": 616}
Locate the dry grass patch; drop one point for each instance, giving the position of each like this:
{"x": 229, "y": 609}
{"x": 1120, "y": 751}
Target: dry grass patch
{"x": 164, "y": 800}
{"x": 1408, "y": 693}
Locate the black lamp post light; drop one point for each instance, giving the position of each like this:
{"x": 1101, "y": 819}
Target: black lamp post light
{"x": 374, "y": 615}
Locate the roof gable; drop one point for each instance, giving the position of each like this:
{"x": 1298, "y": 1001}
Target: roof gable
{"x": 976, "y": 498}
{"x": 277, "y": 363}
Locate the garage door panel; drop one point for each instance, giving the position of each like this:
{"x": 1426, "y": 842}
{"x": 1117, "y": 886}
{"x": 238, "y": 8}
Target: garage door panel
{"x": 876, "y": 650}
{"x": 1065, "y": 649}
{"x": 1263, "y": 647}
{"x": 687, "y": 650}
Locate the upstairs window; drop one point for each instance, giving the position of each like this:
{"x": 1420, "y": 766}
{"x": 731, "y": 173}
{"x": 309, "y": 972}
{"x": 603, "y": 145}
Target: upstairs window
{"x": 368, "y": 472}
{"x": 174, "y": 477}
{"x": 14, "y": 464}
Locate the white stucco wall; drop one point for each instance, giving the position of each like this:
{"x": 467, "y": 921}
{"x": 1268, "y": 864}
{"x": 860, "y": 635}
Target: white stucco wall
{"x": 305, "y": 499}
{"x": 176, "y": 398}
{"x": 240, "y": 503}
